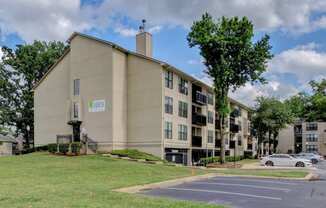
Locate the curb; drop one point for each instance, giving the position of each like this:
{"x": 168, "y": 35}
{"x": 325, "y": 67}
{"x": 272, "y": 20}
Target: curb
{"x": 175, "y": 182}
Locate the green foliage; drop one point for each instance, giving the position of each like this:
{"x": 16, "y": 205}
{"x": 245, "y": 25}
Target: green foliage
{"x": 63, "y": 148}
{"x": 231, "y": 57}
{"x": 270, "y": 116}
{"x": 75, "y": 148}
{"x": 310, "y": 107}
{"x": 53, "y": 148}
{"x": 41, "y": 148}
{"x": 207, "y": 160}
{"x": 135, "y": 154}
{"x": 20, "y": 69}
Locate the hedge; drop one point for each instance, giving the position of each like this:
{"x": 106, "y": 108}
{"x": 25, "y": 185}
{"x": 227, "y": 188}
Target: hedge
{"x": 63, "y": 148}
{"x": 216, "y": 159}
{"x": 53, "y": 148}
{"x": 75, "y": 148}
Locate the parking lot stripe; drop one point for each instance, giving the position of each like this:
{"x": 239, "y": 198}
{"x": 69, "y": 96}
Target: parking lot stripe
{"x": 245, "y": 185}
{"x": 260, "y": 181}
{"x": 225, "y": 192}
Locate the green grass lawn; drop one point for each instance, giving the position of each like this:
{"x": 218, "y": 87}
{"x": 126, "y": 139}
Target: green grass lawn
{"x": 269, "y": 173}
{"x": 43, "y": 180}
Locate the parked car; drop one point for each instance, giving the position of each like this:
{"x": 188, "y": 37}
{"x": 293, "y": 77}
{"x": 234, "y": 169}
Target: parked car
{"x": 314, "y": 158}
{"x": 284, "y": 160}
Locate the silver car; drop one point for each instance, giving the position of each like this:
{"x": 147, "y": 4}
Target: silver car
{"x": 284, "y": 160}
{"x": 314, "y": 158}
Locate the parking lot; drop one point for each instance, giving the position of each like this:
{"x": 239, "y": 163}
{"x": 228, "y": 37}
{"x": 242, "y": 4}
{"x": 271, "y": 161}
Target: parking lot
{"x": 242, "y": 192}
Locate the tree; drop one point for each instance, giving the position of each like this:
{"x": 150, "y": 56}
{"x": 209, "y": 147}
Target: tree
{"x": 231, "y": 58}
{"x": 316, "y": 109}
{"x": 21, "y": 68}
{"x": 297, "y": 104}
{"x": 271, "y": 115}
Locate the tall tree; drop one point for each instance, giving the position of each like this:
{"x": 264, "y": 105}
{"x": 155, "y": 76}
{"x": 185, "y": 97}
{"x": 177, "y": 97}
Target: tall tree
{"x": 20, "y": 69}
{"x": 231, "y": 58}
{"x": 316, "y": 109}
{"x": 271, "y": 115}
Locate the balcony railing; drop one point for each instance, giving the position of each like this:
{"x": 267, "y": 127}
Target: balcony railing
{"x": 196, "y": 141}
{"x": 200, "y": 98}
{"x": 199, "y": 119}
{"x": 234, "y": 128}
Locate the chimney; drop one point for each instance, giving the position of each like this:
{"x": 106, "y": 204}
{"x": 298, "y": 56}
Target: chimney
{"x": 144, "y": 41}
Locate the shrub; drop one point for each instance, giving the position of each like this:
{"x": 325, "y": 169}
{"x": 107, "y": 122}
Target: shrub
{"x": 75, "y": 148}
{"x": 41, "y": 148}
{"x": 27, "y": 150}
{"x": 63, "y": 148}
{"x": 207, "y": 160}
{"x": 53, "y": 147}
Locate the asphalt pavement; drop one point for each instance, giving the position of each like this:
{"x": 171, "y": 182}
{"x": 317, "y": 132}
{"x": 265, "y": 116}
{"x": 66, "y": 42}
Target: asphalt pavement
{"x": 242, "y": 192}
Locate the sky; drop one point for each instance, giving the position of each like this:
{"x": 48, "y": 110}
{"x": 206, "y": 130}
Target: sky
{"x": 297, "y": 29}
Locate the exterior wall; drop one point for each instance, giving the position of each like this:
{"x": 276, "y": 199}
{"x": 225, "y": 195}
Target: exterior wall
{"x": 286, "y": 140}
{"x": 50, "y": 104}
{"x": 175, "y": 118}
{"x": 145, "y": 105}
{"x": 119, "y": 100}
{"x": 320, "y": 132}
{"x": 5, "y": 148}
{"x": 91, "y": 62}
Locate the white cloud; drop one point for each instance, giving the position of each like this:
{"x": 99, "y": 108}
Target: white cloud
{"x": 266, "y": 15}
{"x": 131, "y": 32}
{"x": 304, "y": 62}
{"x": 48, "y": 20}
{"x": 1, "y": 54}
{"x": 44, "y": 19}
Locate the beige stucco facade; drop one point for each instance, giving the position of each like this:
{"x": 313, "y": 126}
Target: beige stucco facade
{"x": 303, "y": 136}
{"x": 130, "y": 88}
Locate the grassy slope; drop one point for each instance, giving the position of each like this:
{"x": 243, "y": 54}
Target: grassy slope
{"x": 42, "y": 180}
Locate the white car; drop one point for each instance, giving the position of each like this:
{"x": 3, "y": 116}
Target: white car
{"x": 284, "y": 160}
{"x": 314, "y": 158}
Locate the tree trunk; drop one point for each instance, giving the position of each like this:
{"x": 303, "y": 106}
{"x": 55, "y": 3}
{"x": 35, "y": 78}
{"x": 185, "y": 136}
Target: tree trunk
{"x": 222, "y": 153}
{"x": 269, "y": 142}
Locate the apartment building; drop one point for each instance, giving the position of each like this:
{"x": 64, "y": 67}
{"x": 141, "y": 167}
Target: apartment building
{"x": 123, "y": 99}
{"x": 303, "y": 137}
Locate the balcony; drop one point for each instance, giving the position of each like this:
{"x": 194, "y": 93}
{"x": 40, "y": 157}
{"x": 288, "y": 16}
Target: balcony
{"x": 196, "y": 141}
{"x": 217, "y": 143}
{"x": 199, "y": 119}
{"x": 234, "y": 128}
{"x": 199, "y": 98}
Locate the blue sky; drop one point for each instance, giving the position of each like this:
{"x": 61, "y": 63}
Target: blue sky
{"x": 297, "y": 31}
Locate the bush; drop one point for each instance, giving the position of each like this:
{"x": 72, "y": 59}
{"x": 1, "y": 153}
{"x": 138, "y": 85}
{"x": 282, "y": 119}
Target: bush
{"x": 75, "y": 148}
{"x": 135, "y": 154}
{"x": 53, "y": 147}
{"x": 207, "y": 160}
{"x": 63, "y": 148}
{"x": 41, "y": 148}
{"x": 27, "y": 150}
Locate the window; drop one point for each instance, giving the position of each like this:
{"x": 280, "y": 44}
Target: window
{"x": 169, "y": 79}
{"x": 210, "y": 98}
{"x": 311, "y": 148}
{"x": 183, "y": 109}
{"x": 312, "y": 138}
{"x": 168, "y": 105}
{"x": 183, "y": 86}
{"x": 311, "y": 126}
{"x": 75, "y": 110}
{"x": 76, "y": 86}
{"x": 210, "y": 117}
{"x": 210, "y": 136}
{"x": 168, "y": 130}
{"x": 183, "y": 132}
